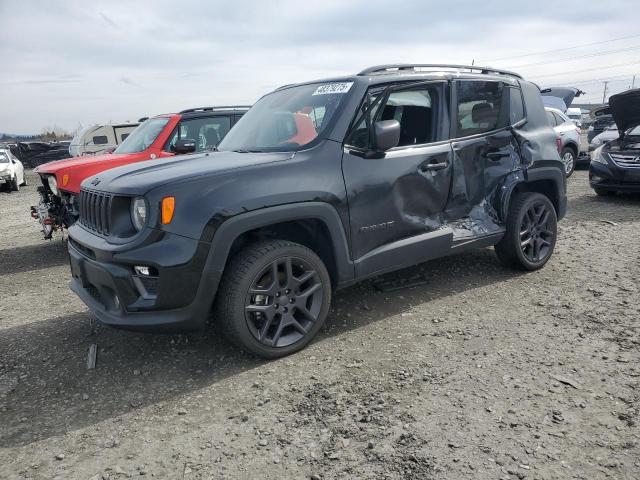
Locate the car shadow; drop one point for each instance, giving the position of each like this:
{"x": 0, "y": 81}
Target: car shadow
{"x": 55, "y": 392}
{"x": 622, "y": 207}
{"x": 33, "y": 257}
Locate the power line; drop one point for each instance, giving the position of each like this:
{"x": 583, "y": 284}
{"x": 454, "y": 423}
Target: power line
{"x": 601, "y": 67}
{"x": 597, "y": 80}
{"x": 588, "y": 55}
{"x": 563, "y": 49}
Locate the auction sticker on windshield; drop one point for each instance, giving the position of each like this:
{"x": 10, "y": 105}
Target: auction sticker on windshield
{"x": 330, "y": 88}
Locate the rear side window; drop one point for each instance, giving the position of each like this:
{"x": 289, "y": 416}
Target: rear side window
{"x": 559, "y": 118}
{"x": 552, "y": 118}
{"x": 516, "y": 107}
{"x": 479, "y": 106}
{"x": 100, "y": 140}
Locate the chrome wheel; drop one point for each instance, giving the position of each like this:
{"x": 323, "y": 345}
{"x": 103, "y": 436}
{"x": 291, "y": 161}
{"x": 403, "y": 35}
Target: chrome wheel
{"x": 569, "y": 161}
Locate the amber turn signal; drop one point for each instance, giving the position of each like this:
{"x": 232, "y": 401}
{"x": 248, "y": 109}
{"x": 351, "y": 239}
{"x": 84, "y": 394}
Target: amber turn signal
{"x": 168, "y": 206}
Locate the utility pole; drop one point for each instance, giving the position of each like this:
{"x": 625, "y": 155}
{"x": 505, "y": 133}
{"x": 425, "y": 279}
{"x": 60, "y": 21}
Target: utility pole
{"x": 633, "y": 82}
{"x": 604, "y": 93}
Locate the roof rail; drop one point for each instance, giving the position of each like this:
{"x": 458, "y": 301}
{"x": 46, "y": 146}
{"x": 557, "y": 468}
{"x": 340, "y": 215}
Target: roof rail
{"x": 380, "y": 69}
{"x": 211, "y": 109}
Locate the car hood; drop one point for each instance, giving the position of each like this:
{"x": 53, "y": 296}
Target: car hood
{"x": 625, "y": 108}
{"x": 138, "y": 178}
{"x": 58, "y": 165}
{"x": 605, "y": 136}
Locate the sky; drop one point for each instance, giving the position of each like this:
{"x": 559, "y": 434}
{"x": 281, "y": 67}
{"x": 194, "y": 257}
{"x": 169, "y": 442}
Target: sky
{"x": 71, "y": 63}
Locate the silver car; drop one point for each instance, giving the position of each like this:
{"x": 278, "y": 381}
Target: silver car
{"x": 569, "y": 138}
{"x": 11, "y": 171}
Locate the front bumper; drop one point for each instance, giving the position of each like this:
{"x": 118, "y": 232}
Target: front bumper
{"x": 613, "y": 178}
{"x": 104, "y": 278}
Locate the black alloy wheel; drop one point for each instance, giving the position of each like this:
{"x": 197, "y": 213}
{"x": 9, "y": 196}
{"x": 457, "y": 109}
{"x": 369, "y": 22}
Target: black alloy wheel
{"x": 536, "y": 235}
{"x": 273, "y": 298}
{"x": 283, "y": 302}
{"x": 531, "y": 231}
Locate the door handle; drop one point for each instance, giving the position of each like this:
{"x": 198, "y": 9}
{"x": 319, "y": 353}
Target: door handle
{"x": 425, "y": 167}
{"x": 497, "y": 154}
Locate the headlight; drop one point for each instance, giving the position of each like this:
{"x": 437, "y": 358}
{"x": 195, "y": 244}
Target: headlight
{"x": 596, "y": 142}
{"x": 53, "y": 184}
{"x": 138, "y": 213}
{"x": 598, "y": 156}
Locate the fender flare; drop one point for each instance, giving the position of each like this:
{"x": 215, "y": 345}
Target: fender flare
{"x": 230, "y": 229}
{"x": 553, "y": 174}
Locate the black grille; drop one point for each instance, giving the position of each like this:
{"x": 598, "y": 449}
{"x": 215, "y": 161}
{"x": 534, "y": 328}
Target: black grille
{"x": 95, "y": 211}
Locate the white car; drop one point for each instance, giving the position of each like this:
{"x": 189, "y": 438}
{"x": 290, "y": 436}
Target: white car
{"x": 11, "y": 171}
{"x": 569, "y": 138}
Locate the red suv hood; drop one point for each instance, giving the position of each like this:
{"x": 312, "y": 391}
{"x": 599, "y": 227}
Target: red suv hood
{"x": 75, "y": 170}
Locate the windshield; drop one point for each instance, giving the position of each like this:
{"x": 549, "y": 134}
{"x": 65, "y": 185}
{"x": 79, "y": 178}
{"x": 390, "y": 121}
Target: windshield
{"x": 287, "y": 120}
{"x": 635, "y": 131}
{"x": 143, "y": 136}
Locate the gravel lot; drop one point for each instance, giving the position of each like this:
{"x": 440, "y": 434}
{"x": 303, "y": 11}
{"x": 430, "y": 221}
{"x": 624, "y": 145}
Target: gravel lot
{"x": 477, "y": 372}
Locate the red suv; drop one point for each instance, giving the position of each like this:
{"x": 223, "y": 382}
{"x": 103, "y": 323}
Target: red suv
{"x": 193, "y": 130}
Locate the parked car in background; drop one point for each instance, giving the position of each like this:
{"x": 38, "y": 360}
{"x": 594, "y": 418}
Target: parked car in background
{"x": 602, "y": 119}
{"x": 321, "y": 185}
{"x": 32, "y": 154}
{"x": 193, "y": 130}
{"x": 609, "y": 133}
{"x": 11, "y": 171}
{"x": 100, "y": 138}
{"x": 575, "y": 115}
{"x": 615, "y": 166}
{"x": 569, "y": 138}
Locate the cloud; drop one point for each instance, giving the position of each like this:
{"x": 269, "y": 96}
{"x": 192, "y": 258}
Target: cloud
{"x": 108, "y": 21}
{"x": 67, "y": 62}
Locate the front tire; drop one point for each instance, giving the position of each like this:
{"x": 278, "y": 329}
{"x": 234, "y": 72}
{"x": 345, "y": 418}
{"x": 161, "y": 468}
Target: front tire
{"x": 569, "y": 160}
{"x": 531, "y": 232}
{"x": 274, "y": 298}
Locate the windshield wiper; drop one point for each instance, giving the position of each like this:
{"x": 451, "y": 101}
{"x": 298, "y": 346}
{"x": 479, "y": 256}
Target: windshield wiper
{"x": 241, "y": 150}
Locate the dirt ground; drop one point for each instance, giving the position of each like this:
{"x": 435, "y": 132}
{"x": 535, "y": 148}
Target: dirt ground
{"x": 477, "y": 372}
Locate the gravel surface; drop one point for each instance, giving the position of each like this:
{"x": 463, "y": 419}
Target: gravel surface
{"x": 473, "y": 372}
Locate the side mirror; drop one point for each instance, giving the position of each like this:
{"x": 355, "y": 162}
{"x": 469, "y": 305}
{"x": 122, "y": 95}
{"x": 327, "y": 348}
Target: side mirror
{"x": 185, "y": 145}
{"x": 387, "y": 134}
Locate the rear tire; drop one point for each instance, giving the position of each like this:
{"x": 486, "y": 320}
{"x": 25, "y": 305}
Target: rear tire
{"x": 273, "y": 298}
{"x": 15, "y": 186}
{"x": 531, "y": 232}
{"x": 569, "y": 161}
